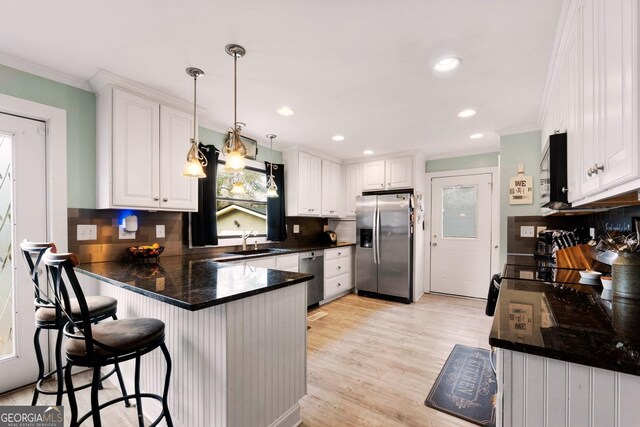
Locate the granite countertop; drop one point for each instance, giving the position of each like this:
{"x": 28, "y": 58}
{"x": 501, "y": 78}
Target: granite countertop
{"x": 192, "y": 283}
{"x": 567, "y": 321}
{"x": 200, "y": 281}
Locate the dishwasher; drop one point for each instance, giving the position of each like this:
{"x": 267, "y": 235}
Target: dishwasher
{"x": 312, "y": 263}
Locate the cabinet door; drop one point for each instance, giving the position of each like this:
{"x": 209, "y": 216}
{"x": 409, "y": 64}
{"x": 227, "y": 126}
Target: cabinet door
{"x": 304, "y": 183}
{"x": 574, "y": 112}
{"x": 399, "y": 173}
{"x": 353, "y": 187}
{"x": 373, "y": 175}
{"x": 287, "y": 262}
{"x": 264, "y": 262}
{"x": 176, "y": 191}
{"x": 315, "y": 185}
{"x": 619, "y": 44}
{"x": 330, "y": 188}
{"x": 136, "y": 126}
{"x": 590, "y": 112}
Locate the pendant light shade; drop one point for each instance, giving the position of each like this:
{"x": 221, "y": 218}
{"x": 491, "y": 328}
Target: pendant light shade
{"x": 195, "y": 158}
{"x": 272, "y": 188}
{"x": 238, "y": 185}
{"x": 234, "y": 149}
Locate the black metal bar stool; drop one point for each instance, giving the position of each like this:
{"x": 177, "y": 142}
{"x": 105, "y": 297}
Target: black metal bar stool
{"x": 97, "y": 345}
{"x": 48, "y": 316}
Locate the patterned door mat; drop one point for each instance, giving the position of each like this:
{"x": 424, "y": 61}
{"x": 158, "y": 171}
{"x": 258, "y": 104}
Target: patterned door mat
{"x": 466, "y": 386}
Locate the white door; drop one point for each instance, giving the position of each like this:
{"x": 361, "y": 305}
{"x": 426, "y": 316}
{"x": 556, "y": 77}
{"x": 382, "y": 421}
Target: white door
{"x": 461, "y": 235}
{"x": 22, "y": 216}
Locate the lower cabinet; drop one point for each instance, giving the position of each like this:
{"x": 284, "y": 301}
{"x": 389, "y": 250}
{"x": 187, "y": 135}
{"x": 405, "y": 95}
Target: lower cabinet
{"x": 338, "y": 271}
{"x": 264, "y": 262}
{"x": 287, "y": 262}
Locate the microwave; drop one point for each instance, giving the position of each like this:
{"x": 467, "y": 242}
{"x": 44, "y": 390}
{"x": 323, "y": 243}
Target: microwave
{"x": 553, "y": 173}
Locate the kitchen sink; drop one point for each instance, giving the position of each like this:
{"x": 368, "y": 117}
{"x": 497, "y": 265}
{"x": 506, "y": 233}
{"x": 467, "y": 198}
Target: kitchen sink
{"x": 257, "y": 251}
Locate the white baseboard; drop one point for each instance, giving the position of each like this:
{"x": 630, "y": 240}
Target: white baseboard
{"x": 291, "y": 418}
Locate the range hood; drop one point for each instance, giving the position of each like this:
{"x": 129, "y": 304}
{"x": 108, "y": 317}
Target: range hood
{"x": 631, "y": 198}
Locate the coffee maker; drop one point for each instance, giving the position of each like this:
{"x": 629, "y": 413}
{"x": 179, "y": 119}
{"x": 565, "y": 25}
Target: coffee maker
{"x": 544, "y": 245}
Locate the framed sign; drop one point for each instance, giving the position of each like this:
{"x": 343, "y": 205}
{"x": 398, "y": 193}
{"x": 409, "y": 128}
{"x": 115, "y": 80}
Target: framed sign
{"x": 521, "y": 190}
{"x": 521, "y": 318}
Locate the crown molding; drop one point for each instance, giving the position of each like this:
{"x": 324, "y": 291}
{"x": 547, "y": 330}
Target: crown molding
{"x": 43, "y": 71}
{"x": 567, "y": 19}
{"x": 454, "y": 154}
{"x": 518, "y": 129}
{"x": 104, "y": 78}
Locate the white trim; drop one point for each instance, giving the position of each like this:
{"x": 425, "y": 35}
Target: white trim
{"x": 291, "y": 418}
{"x": 241, "y": 209}
{"x": 386, "y": 156}
{"x": 465, "y": 154}
{"x": 495, "y": 215}
{"x": 56, "y": 147}
{"x": 43, "y": 71}
{"x": 518, "y": 129}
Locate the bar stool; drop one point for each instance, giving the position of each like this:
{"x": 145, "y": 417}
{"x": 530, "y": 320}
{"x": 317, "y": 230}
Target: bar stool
{"x": 48, "y": 316}
{"x": 108, "y": 343}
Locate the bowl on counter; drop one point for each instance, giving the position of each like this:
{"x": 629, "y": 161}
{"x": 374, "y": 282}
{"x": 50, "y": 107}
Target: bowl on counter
{"x": 606, "y": 281}
{"x": 590, "y": 274}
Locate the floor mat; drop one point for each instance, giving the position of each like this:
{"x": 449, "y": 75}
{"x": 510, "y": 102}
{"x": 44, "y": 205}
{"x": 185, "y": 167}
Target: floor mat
{"x": 466, "y": 386}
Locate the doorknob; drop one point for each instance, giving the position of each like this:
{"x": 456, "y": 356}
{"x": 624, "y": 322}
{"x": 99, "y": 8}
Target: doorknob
{"x": 434, "y": 244}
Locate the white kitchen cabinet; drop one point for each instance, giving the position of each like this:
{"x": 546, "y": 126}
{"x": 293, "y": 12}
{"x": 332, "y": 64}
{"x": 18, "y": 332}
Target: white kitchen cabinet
{"x": 264, "y": 262}
{"x": 331, "y": 185}
{"x": 352, "y": 187}
{"x": 338, "y": 271}
{"x": 373, "y": 175}
{"x": 303, "y": 183}
{"x": 388, "y": 174}
{"x": 140, "y": 151}
{"x": 287, "y": 262}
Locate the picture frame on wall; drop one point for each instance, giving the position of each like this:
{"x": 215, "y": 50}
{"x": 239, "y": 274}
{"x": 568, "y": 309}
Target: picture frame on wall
{"x": 250, "y": 144}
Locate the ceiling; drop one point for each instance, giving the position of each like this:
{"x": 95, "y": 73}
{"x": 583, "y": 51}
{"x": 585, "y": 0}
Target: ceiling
{"x": 359, "y": 68}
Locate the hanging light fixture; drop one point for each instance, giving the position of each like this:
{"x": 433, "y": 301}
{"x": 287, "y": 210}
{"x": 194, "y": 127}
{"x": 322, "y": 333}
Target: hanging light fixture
{"x": 234, "y": 150}
{"x": 238, "y": 185}
{"x": 195, "y": 159}
{"x": 272, "y": 188}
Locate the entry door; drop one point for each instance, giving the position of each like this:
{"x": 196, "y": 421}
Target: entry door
{"x": 461, "y": 235}
{"x": 22, "y": 216}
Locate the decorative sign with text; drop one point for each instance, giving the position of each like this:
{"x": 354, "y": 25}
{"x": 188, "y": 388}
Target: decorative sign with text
{"x": 521, "y": 190}
{"x": 521, "y": 319}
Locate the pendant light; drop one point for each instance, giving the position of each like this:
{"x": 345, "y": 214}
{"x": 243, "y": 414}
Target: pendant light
{"x": 195, "y": 159}
{"x": 234, "y": 150}
{"x": 238, "y": 185}
{"x": 272, "y": 188}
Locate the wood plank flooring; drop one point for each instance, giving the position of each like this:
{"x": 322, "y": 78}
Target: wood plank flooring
{"x": 373, "y": 362}
{"x": 370, "y": 363}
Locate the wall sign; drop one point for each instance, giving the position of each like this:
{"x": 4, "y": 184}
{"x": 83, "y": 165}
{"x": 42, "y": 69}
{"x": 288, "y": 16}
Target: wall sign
{"x": 521, "y": 188}
{"x": 521, "y": 319}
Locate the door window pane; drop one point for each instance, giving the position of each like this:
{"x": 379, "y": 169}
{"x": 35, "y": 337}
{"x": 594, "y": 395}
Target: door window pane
{"x": 459, "y": 211}
{"x": 6, "y": 263}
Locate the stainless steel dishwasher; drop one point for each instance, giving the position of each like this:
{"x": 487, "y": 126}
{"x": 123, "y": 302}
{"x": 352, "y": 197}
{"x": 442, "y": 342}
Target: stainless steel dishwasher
{"x": 312, "y": 263}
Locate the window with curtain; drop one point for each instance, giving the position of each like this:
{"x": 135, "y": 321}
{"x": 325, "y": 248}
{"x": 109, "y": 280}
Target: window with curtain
{"x": 239, "y": 213}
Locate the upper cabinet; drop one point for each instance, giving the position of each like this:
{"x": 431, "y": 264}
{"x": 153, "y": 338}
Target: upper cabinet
{"x": 388, "y": 174}
{"x": 352, "y": 187}
{"x": 594, "y": 97}
{"x": 303, "y": 183}
{"x": 140, "y": 151}
{"x": 331, "y": 185}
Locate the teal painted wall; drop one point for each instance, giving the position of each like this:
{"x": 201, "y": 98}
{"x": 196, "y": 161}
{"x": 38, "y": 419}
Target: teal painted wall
{"x": 514, "y": 149}
{"x": 80, "y": 106}
{"x": 463, "y": 162}
{"x": 81, "y": 127}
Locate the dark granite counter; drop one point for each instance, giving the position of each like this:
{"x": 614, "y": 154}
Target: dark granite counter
{"x": 192, "y": 283}
{"x": 567, "y": 321}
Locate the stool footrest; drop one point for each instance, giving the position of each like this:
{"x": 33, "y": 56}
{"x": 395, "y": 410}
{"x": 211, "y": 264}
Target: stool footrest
{"x": 42, "y": 390}
{"x": 120, "y": 399}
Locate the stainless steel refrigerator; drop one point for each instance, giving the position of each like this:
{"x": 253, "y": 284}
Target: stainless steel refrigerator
{"x": 384, "y": 245}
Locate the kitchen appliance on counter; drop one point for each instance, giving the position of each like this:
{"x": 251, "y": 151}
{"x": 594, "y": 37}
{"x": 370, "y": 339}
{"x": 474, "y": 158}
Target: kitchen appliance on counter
{"x": 312, "y": 262}
{"x": 553, "y": 173}
{"x": 330, "y": 237}
{"x": 384, "y": 245}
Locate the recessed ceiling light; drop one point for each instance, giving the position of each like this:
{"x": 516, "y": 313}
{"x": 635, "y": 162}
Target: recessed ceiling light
{"x": 285, "y": 111}
{"x": 367, "y": 152}
{"x": 477, "y": 136}
{"x": 447, "y": 64}
{"x": 467, "y": 113}
{"x": 338, "y": 138}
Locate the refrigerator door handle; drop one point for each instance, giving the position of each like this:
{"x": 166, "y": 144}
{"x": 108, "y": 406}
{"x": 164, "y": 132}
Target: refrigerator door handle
{"x": 375, "y": 235}
{"x": 377, "y": 244}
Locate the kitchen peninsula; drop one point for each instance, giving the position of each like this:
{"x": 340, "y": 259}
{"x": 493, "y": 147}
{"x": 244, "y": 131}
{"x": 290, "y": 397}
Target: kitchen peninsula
{"x": 236, "y": 334}
{"x": 568, "y": 353}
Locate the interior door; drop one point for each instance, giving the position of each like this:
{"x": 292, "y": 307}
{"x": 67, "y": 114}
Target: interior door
{"x": 461, "y": 234}
{"x": 22, "y": 215}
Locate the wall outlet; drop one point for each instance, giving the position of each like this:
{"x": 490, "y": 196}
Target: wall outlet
{"x": 124, "y": 234}
{"x": 159, "y": 231}
{"x": 592, "y": 232}
{"x": 296, "y": 228}
{"x": 527, "y": 231}
{"x": 540, "y": 229}
{"x": 87, "y": 232}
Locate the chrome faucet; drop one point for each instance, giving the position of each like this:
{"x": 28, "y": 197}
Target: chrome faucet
{"x": 245, "y": 237}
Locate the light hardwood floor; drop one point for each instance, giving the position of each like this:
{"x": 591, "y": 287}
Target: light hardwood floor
{"x": 373, "y": 362}
{"x": 370, "y": 363}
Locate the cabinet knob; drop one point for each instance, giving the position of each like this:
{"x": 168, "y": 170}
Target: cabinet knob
{"x": 156, "y": 198}
{"x": 594, "y": 169}
{"x": 165, "y": 199}
{"x": 388, "y": 184}
{"x": 339, "y": 253}
{"x": 339, "y": 284}
{"x": 339, "y": 268}
{"x": 381, "y": 185}
{"x": 565, "y": 190}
